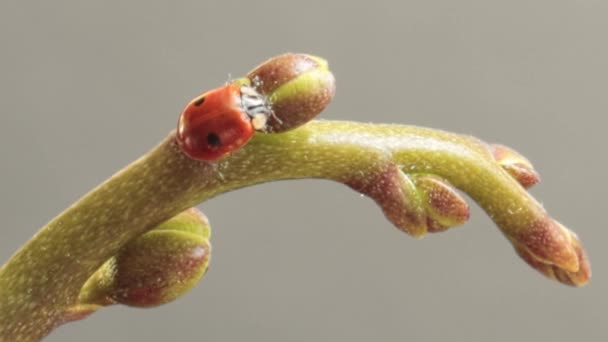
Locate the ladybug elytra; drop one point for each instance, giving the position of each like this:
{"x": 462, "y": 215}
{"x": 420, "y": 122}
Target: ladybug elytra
{"x": 221, "y": 120}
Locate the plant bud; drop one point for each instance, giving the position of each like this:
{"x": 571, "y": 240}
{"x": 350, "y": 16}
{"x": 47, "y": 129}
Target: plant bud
{"x": 297, "y": 87}
{"x": 156, "y": 267}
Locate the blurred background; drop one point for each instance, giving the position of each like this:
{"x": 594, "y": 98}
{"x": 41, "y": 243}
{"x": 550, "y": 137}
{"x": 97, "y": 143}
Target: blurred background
{"x": 86, "y": 87}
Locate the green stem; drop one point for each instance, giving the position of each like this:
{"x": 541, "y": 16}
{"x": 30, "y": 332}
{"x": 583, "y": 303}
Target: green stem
{"x": 45, "y": 276}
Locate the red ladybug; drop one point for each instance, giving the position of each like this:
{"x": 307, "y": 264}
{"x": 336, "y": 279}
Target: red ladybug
{"x": 220, "y": 121}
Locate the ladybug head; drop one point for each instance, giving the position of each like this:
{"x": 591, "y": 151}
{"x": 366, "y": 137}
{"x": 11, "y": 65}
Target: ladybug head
{"x": 256, "y": 107}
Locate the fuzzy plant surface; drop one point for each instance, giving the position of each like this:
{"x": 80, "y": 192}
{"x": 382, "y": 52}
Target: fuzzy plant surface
{"x": 135, "y": 240}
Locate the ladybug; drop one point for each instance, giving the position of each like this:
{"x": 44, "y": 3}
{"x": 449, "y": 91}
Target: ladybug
{"x": 221, "y": 120}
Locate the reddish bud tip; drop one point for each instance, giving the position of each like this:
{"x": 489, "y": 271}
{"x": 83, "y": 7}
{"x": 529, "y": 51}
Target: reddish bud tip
{"x": 444, "y": 205}
{"x": 516, "y": 165}
{"x": 554, "y": 251}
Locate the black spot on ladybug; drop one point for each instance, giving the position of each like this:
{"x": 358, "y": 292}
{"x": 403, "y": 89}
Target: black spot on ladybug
{"x": 199, "y": 101}
{"x": 213, "y": 140}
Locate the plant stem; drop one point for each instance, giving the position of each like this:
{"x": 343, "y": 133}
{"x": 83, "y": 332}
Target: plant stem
{"x": 44, "y": 277}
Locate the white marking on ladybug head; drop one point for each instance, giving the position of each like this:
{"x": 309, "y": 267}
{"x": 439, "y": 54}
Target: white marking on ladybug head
{"x": 259, "y": 121}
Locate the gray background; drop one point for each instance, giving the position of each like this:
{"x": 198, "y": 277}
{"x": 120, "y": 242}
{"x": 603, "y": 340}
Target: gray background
{"x": 88, "y": 86}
